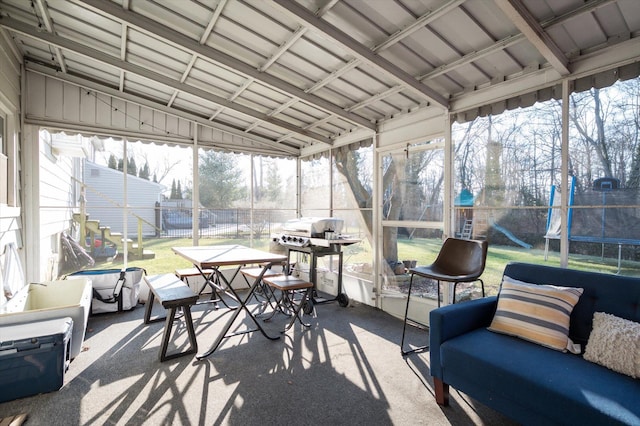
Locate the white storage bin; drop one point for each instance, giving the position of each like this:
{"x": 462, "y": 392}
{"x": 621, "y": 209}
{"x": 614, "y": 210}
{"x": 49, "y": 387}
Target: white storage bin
{"x": 50, "y": 300}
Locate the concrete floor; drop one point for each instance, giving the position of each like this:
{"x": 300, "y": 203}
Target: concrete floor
{"x": 346, "y": 369}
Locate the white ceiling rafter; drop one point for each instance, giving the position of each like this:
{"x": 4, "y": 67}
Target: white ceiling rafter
{"x": 334, "y": 75}
{"x": 284, "y": 106}
{"x": 418, "y": 24}
{"x": 101, "y": 57}
{"x": 48, "y": 24}
{"x": 278, "y": 110}
{"x": 279, "y": 52}
{"x": 518, "y": 13}
{"x": 511, "y": 40}
{"x": 283, "y": 48}
{"x": 15, "y": 51}
{"x": 166, "y": 34}
{"x": 376, "y": 98}
{"x": 216, "y": 113}
{"x": 363, "y": 53}
{"x": 203, "y": 39}
{"x": 252, "y": 127}
{"x": 100, "y": 88}
{"x": 123, "y": 52}
{"x": 212, "y": 22}
{"x": 398, "y": 36}
{"x": 317, "y": 123}
{"x": 467, "y": 51}
{"x": 248, "y": 82}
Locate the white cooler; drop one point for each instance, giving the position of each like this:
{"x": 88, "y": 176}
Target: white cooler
{"x": 51, "y": 300}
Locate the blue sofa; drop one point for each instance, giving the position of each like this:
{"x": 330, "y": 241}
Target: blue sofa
{"x": 530, "y": 383}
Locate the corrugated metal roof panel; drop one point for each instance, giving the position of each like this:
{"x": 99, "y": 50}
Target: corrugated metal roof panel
{"x": 305, "y": 71}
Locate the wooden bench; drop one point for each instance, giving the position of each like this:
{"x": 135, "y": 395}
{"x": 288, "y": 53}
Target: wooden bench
{"x": 288, "y": 286}
{"x": 172, "y": 293}
{"x": 207, "y": 275}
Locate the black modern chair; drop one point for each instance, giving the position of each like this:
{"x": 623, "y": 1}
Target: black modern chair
{"x": 459, "y": 261}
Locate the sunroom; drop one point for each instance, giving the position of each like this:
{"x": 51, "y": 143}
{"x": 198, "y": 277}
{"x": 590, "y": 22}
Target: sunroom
{"x": 509, "y": 121}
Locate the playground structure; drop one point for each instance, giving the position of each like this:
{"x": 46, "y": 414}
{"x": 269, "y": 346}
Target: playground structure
{"x": 597, "y": 217}
{"x": 475, "y": 224}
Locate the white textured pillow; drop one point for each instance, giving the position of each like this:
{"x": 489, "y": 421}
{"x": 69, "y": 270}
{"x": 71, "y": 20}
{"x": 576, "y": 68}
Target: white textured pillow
{"x": 615, "y": 343}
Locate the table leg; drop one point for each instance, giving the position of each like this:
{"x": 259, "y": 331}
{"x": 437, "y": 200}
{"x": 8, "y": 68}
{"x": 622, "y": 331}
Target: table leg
{"x": 243, "y": 306}
{"x": 216, "y": 288}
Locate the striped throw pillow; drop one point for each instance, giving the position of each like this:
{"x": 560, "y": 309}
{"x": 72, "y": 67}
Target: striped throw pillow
{"x": 538, "y": 313}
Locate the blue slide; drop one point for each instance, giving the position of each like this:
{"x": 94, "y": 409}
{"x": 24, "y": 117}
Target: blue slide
{"x": 512, "y": 237}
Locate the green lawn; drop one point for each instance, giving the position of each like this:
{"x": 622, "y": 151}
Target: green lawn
{"x": 423, "y": 250}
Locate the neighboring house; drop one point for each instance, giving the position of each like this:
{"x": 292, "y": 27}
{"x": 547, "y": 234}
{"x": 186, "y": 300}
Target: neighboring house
{"x": 105, "y": 199}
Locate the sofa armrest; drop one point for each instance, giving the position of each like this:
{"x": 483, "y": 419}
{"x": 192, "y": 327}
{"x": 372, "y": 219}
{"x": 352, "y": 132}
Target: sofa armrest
{"x": 450, "y": 321}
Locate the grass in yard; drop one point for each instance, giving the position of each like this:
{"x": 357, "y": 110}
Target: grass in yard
{"x": 422, "y": 250}
{"x": 165, "y": 260}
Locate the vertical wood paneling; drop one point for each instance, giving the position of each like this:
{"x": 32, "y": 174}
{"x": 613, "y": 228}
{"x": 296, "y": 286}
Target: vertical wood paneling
{"x": 119, "y": 109}
{"x": 35, "y": 89}
{"x": 53, "y": 99}
{"x": 71, "y": 102}
{"x": 9, "y": 74}
{"x": 204, "y": 133}
{"x": 132, "y": 117}
{"x": 172, "y": 125}
{"x": 185, "y": 128}
{"x": 160, "y": 122}
{"x": 103, "y": 110}
{"x": 87, "y": 107}
{"x": 146, "y": 120}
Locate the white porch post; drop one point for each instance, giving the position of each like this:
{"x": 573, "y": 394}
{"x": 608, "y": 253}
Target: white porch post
{"x": 31, "y": 208}
{"x": 195, "y": 193}
{"x": 125, "y": 209}
{"x": 564, "y": 179}
{"x": 449, "y": 175}
{"x": 376, "y": 222}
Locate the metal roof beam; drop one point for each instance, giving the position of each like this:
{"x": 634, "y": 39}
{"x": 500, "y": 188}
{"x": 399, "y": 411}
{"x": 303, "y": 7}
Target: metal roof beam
{"x": 511, "y": 40}
{"x": 164, "y": 33}
{"x": 300, "y": 13}
{"x": 212, "y": 21}
{"x": 103, "y": 58}
{"x": 418, "y": 24}
{"x": 518, "y": 13}
{"x": 48, "y": 23}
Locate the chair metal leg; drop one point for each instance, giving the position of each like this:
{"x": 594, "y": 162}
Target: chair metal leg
{"x": 456, "y": 284}
{"x": 406, "y": 318}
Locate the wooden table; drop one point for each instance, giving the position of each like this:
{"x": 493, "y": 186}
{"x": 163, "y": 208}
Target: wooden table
{"x": 214, "y": 257}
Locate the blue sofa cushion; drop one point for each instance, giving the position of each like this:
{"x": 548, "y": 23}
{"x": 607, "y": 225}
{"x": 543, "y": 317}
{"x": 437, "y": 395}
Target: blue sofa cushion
{"x": 534, "y": 384}
{"x": 613, "y": 294}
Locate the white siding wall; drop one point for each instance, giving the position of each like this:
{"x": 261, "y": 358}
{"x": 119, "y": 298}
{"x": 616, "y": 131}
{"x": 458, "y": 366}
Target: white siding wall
{"x": 104, "y": 197}
{"x": 57, "y": 199}
{"x": 10, "y": 220}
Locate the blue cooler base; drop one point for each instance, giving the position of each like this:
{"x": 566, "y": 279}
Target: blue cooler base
{"x": 34, "y": 357}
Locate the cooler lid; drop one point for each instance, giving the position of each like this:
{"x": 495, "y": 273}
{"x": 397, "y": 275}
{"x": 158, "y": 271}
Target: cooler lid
{"x": 12, "y": 335}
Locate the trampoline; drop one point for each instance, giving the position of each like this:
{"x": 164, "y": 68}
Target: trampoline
{"x": 605, "y": 186}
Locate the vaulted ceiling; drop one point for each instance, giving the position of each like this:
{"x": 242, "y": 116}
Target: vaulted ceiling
{"x": 298, "y": 73}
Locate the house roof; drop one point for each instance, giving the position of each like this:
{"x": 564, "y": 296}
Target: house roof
{"x": 307, "y": 73}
